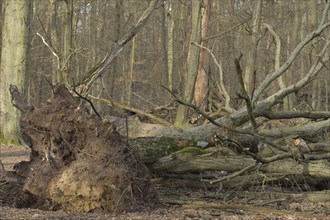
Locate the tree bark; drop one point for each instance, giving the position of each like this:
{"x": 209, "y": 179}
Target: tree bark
{"x": 53, "y": 34}
{"x": 202, "y": 81}
{"x": 316, "y": 85}
{"x": 169, "y": 21}
{"x": 154, "y": 141}
{"x": 67, "y": 41}
{"x": 190, "y": 163}
{"x": 129, "y": 77}
{"x": 14, "y": 57}
{"x": 250, "y": 70}
{"x": 193, "y": 60}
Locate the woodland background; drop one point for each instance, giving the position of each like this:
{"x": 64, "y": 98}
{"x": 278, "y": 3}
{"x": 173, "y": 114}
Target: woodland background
{"x": 227, "y": 92}
{"x": 82, "y": 31}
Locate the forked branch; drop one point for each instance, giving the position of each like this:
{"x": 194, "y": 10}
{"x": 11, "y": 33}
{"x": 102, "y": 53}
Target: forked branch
{"x": 308, "y": 38}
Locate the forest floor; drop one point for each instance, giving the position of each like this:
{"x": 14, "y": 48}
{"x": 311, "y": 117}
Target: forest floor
{"x": 176, "y": 203}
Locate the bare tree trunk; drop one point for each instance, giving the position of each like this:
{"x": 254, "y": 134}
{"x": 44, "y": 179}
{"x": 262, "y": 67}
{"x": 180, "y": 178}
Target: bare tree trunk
{"x": 303, "y": 31}
{"x": 1, "y": 22}
{"x": 170, "y": 41}
{"x": 14, "y": 59}
{"x": 278, "y": 54}
{"x": 67, "y": 41}
{"x": 54, "y": 38}
{"x": 130, "y": 75}
{"x": 60, "y": 40}
{"x": 250, "y": 69}
{"x": 202, "y": 82}
{"x": 316, "y": 86}
{"x": 291, "y": 41}
{"x": 193, "y": 59}
{"x": 109, "y": 80}
{"x": 282, "y": 80}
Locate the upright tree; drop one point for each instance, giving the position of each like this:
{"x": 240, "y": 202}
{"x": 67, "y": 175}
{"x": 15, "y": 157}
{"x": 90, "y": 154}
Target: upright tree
{"x": 169, "y": 22}
{"x": 192, "y": 63}
{"x": 250, "y": 69}
{"x": 14, "y": 59}
{"x": 62, "y": 29}
{"x": 202, "y": 82}
{"x": 316, "y": 86}
{"x": 67, "y": 40}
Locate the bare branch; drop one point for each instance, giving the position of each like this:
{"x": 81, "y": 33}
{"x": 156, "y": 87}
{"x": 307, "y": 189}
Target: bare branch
{"x": 222, "y": 86}
{"x": 214, "y": 122}
{"x": 307, "y": 130}
{"x": 68, "y": 58}
{"x": 55, "y": 53}
{"x": 312, "y": 73}
{"x": 278, "y": 52}
{"x": 308, "y": 38}
{"x": 105, "y": 63}
{"x": 144, "y": 99}
{"x": 52, "y": 49}
{"x": 297, "y": 114}
{"x": 231, "y": 176}
{"x": 244, "y": 94}
{"x": 225, "y": 32}
{"x": 266, "y": 161}
{"x": 89, "y": 101}
{"x": 193, "y": 107}
{"x": 110, "y": 102}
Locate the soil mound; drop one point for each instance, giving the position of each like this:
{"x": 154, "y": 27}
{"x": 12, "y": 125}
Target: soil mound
{"x": 78, "y": 162}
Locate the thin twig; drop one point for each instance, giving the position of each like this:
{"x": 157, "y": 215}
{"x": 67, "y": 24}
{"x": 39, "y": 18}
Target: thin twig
{"x": 225, "y": 32}
{"x": 231, "y": 176}
{"x": 110, "y": 102}
{"x": 89, "y": 101}
{"x": 49, "y": 82}
{"x": 142, "y": 98}
{"x": 193, "y": 107}
{"x": 51, "y": 48}
{"x": 244, "y": 94}
{"x": 84, "y": 98}
{"x": 68, "y": 58}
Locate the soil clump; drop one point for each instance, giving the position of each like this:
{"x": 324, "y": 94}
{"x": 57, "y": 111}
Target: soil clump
{"x": 78, "y": 162}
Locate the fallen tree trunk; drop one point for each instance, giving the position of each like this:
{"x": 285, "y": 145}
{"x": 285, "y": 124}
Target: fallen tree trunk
{"x": 55, "y": 144}
{"x": 185, "y": 163}
{"x": 250, "y": 181}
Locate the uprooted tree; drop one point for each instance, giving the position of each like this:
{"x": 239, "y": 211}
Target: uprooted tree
{"x": 75, "y": 153}
{"x": 78, "y": 162}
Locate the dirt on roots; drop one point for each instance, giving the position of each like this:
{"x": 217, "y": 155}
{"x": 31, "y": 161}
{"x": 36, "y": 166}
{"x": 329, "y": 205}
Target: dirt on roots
{"x": 78, "y": 162}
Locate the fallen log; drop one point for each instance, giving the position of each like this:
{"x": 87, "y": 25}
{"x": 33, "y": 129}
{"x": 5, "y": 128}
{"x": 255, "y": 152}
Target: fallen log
{"x": 311, "y": 130}
{"x": 251, "y": 181}
{"x": 318, "y": 196}
{"x": 191, "y": 162}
